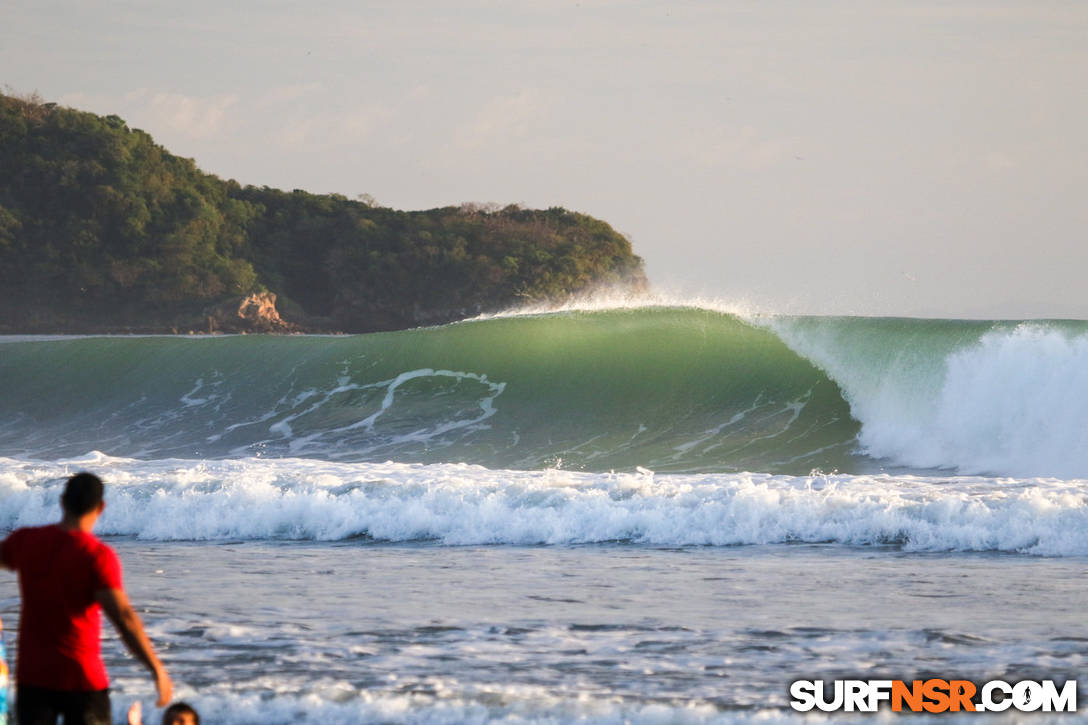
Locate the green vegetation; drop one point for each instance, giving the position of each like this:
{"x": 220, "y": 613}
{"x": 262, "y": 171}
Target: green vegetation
{"x": 103, "y": 230}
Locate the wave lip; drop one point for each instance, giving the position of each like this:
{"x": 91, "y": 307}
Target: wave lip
{"x": 458, "y": 504}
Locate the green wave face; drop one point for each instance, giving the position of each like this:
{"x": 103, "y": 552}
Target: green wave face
{"x": 676, "y": 390}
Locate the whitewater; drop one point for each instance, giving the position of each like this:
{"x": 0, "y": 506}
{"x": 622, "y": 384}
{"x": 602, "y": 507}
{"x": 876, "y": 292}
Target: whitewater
{"x": 659, "y": 513}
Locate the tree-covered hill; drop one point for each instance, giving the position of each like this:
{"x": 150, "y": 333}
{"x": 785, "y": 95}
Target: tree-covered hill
{"x": 103, "y": 230}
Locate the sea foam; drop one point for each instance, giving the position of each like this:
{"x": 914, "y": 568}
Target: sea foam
{"x": 458, "y": 504}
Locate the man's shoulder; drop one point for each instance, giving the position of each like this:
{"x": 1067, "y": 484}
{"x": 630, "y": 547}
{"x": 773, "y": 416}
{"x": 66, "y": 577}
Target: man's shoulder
{"x": 102, "y": 549}
{"x": 43, "y": 529}
{"x": 25, "y": 539}
{"x": 79, "y": 540}
{"x": 102, "y": 557}
{"x": 93, "y": 545}
{"x": 33, "y": 533}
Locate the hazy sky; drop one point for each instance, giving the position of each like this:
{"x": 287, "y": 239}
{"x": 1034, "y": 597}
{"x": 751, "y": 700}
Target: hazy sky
{"x": 865, "y": 157}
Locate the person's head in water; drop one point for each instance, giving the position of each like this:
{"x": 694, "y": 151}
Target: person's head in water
{"x": 82, "y": 495}
{"x": 180, "y": 713}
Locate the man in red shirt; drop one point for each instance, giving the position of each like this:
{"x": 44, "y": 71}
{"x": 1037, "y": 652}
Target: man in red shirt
{"x": 66, "y": 576}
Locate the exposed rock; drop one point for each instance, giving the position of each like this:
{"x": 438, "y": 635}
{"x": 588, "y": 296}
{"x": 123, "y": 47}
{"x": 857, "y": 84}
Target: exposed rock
{"x": 255, "y": 313}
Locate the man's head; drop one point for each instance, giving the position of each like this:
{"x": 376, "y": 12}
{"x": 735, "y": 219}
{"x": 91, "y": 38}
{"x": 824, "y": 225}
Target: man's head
{"x": 180, "y": 714}
{"x": 82, "y": 495}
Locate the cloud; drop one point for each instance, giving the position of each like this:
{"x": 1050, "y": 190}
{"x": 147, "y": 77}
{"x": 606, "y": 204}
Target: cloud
{"x": 171, "y": 115}
{"x": 327, "y": 130}
{"x": 998, "y": 161}
{"x": 286, "y": 116}
{"x": 293, "y": 92}
{"x": 80, "y": 100}
{"x": 504, "y": 120}
{"x": 193, "y": 117}
{"x": 722, "y": 146}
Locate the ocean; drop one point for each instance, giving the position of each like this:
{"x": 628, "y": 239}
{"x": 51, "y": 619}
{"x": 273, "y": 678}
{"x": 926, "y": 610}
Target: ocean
{"x": 658, "y": 514}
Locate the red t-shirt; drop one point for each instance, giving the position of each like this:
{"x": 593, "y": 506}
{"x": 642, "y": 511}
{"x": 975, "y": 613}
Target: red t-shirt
{"x": 61, "y": 623}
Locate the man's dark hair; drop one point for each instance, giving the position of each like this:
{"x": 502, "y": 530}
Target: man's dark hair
{"x": 180, "y": 708}
{"x": 82, "y": 494}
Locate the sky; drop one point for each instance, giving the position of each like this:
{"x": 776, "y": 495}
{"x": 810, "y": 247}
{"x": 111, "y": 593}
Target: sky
{"x": 842, "y": 157}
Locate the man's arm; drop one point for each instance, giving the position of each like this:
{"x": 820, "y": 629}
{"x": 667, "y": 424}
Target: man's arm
{"x": 116, "y": 606}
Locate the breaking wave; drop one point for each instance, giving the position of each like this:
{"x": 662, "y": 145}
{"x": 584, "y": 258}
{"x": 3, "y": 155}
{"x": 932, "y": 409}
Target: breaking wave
{"x": 677, "y": 390}
{"x": 460, "y": 504}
